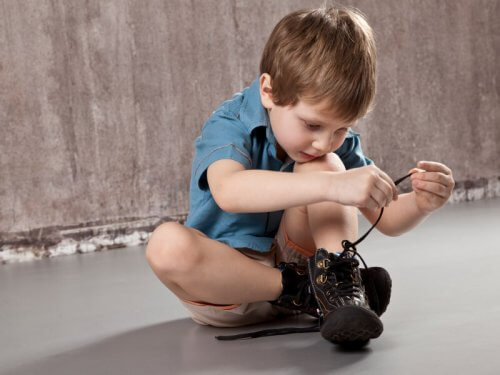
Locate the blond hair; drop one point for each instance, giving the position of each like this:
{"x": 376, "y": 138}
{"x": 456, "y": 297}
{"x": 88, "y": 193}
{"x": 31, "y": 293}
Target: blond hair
{"x": 325, "y": 54}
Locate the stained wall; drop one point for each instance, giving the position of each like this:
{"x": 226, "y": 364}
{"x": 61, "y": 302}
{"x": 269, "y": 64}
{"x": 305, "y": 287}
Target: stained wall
{"x": 100, "y": 102}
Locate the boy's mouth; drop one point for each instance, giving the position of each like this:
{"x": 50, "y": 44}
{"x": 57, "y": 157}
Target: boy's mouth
{"x": 307, "y": 155}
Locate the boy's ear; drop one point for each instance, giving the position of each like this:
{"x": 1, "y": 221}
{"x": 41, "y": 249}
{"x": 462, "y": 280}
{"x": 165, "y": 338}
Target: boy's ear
{"x": 266, "y": 92}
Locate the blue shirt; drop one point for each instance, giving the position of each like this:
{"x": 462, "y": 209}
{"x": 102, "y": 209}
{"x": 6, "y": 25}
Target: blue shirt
{"x": 240, "y": 130}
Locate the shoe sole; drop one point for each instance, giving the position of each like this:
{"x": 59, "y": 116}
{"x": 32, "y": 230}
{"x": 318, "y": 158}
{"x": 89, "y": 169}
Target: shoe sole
{"x": 351, "y": 324}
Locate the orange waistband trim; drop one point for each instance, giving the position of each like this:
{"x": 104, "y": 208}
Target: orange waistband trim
{"x": 294, "y": 246}
{"x": 220, "y": 307}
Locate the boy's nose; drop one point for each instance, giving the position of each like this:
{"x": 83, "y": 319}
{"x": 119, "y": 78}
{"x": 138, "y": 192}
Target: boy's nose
{"x": 322, "y": 145}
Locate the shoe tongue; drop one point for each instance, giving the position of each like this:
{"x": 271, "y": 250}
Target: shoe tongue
{"x": 339, "y": 256}
{"x": 343, "y": 254}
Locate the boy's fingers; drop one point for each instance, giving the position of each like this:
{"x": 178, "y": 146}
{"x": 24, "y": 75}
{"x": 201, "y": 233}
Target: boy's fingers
{"x": 387, "y": 186}
{"x": 392, "y": 185}
{"x": 380, "y": 194}
{"x": 432, "y": 166}
{"x": 416, "y": 170}
{"x": 373, "y": 204}
{"x": 438, "y": 177}
{"x": 435, "y": 189}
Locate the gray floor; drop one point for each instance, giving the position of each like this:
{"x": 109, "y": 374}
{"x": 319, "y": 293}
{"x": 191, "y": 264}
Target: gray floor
{"x": 105, "y": 313}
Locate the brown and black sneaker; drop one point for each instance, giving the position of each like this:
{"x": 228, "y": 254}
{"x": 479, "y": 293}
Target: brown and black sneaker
{"x": 345, "y": 314}
{"x": 298, "y": 295}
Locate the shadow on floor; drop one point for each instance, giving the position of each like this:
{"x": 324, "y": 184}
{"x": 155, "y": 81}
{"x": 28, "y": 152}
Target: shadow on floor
{"x": 182, "y": 346}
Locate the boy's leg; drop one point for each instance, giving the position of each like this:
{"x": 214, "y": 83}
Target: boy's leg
{"x": 346, "y": 318}
{"x": 197, "y": 268}
{"x": 305, "y": 229}
{"x": 324, "y": 224}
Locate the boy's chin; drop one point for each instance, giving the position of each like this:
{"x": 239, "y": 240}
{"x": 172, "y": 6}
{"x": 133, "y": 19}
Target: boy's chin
{"x": 300, "y": 157}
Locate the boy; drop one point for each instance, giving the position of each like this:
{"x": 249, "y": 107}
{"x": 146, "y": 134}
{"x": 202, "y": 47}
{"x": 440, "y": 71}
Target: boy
{"x": 277, "y": 179}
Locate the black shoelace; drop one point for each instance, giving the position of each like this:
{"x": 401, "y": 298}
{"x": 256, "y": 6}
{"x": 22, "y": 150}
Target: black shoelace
{"x": 304, "y": 295}
{"x": 343, "y": 289}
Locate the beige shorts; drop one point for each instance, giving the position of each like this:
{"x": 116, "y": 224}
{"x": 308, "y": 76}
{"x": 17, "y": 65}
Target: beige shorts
{"x": 282, "y": 250}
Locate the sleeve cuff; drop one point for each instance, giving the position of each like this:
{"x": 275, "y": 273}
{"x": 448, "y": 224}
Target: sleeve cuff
{"x": 229, "y": 151}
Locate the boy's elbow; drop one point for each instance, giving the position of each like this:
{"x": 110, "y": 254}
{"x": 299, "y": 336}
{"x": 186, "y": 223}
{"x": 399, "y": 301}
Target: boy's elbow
{"x": 390, "y": 233}
{"x": 223, "y": 200}
{"x": 225, "y": 206}
{"x": 384, "y": 228}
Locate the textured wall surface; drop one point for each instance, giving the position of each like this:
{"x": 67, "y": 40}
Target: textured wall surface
{"x": 100, "y": 102}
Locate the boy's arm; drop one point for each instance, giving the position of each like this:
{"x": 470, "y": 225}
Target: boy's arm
{"x": 236, "y": 189}
{"x": 399, "y": 217}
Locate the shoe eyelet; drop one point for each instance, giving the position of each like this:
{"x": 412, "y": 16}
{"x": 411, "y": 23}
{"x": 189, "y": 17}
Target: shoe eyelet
{"x": 321, "y": 279}
{"x": 324, "y": 263}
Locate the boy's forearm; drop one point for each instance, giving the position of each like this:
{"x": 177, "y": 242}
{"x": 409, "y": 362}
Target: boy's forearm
{"x": 401, "y": 216}
{"x": 255, "y": 190}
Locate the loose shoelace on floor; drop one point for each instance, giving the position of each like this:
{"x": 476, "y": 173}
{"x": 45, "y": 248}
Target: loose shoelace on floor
{"x": 349, "y": 247}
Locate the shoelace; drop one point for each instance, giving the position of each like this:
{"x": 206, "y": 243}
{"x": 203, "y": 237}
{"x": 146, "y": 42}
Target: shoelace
{"x": 303, "y": 294}
{"x": 345, "y": 288}
{"x": 343, "y": 270}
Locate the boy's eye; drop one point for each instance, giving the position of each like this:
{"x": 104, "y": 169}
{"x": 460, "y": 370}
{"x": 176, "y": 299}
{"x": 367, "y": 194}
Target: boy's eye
{"x": 311, "y": 126}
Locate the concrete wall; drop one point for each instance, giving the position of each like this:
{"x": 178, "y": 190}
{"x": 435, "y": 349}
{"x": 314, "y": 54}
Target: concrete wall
{"x": 100, "y": 102}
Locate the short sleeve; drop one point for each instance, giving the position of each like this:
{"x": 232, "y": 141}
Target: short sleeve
{"x": 351, "y": 153}
{"x": 222, "y": 137}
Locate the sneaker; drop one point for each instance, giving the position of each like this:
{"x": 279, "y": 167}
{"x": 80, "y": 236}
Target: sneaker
{"x": 345, "y": 314}
{"x": 298, "y": 295}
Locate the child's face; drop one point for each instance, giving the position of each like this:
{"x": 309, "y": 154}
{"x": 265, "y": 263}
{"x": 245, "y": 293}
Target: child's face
{"x": 304, "y": 131}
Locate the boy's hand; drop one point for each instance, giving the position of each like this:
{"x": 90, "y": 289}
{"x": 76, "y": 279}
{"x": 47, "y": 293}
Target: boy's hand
{"x": 433, "y": 184}
{"x": 362, "y": 187}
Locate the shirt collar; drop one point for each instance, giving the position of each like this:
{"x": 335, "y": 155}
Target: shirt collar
{"x": 253, "y": 113}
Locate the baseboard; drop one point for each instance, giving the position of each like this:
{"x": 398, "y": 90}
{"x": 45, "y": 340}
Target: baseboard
{"x": 96, "y": 236}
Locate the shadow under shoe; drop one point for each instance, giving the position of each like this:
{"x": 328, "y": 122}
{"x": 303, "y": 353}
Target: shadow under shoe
{"x": 345, "y": 315}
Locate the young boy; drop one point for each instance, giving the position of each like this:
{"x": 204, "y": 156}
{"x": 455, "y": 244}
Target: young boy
{"x": 277, "y": 179}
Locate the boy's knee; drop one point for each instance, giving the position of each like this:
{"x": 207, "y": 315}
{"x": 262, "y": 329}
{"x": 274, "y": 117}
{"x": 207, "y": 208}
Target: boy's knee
{"x": 328, "y": 162}
{"x": 170, "y": 248}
